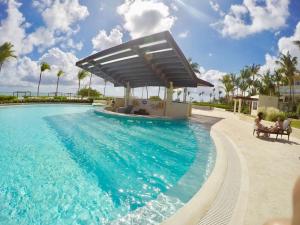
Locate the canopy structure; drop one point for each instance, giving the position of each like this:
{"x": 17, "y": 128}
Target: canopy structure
{"x": 154, "y": 60}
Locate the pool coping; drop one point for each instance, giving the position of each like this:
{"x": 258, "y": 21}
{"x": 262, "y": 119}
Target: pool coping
{"x": 133, "y": 116}
{"x": 208, "y": 197}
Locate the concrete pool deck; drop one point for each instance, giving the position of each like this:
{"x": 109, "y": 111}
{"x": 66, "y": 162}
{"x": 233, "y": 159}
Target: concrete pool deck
{"x": 272, "y": 167}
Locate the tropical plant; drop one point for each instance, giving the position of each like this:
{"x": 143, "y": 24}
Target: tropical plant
{"x": 81, "y": 75}
{"x": 104, "y": 91}
{"x": 235, "y": 81}
{"x": 6, "y": 52}
{"x": 59, "y": 74}
{"x": 297, "y": 43}
{"x": 89, "y": 92}
{"x": 214, "y": 89}
{"x": 178, "y": 94}
{"x": 44, "y": 66}
{"x": 245, "y": 80}
{"x": 158, "y": 91}
{"x": 227, "y": 85}
{"x": 194, "y": 65}
{"x": 277, "y": 78}
{"x": 288, "y": 65}
{"x": 220, "y": 92}
{"x": 253, "y": 70}
{"x": 266, "y": 85}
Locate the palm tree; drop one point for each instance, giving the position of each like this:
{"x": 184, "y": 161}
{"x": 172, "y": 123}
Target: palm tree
{"x": 158, "y": 91}
{"x": 245, "y": 76}
{"x": 6, "y": 52}
{"x": 297, "y": 43}
{"x": 194, "y": 65}
{"x": 214, "y": 89}
{"x": 90, "y": 82}
{"x": 178, "y": 94}
{"x": 253, "y": 70}
{"x": 44, "y": 66}
{"x": 105, "y": 82}
{"x": 227, "y": 85}
{"x": 81, "y": 75}
{"x": 220, "y": 92}
{"x": 59, "y": 74}
{"x": 235, "y": 81}
{"x": 288, "y": 67}
{"x": 266, "y": 86}
{"x": 277, "y": 78}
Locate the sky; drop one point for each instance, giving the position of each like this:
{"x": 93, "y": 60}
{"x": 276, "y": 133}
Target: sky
{"x": 221, "y": 36}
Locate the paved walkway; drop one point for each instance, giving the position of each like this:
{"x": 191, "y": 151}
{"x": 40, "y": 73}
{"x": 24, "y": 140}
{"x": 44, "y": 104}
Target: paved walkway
{"x": 273, "y": 167}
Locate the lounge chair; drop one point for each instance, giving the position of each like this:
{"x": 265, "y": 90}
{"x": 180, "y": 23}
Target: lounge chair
{"x": 286, "y": 130}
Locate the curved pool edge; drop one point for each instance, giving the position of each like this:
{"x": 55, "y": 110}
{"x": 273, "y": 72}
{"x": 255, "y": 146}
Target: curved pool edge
{"x": 210, "y": 204}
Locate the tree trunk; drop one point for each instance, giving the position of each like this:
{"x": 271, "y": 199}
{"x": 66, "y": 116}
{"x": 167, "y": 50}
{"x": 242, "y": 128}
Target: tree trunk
{"x": 78, "y": 87}
{"x": 1, "y": 66}
{"x": 142, "y": 92}
{"x": 38, "y": 90}
{"x": 57, "y": 86}
{"x": 158, "y": 91}
{"x": 147, "y": 91}
{"x": 104, "y": 88}
{"x": 90, "y": 84}
{"x": 290, "y": 97}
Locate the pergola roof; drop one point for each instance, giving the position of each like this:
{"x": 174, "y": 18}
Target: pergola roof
{"x": 154, "y": 60}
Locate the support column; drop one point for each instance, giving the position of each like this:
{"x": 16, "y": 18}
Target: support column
{"x": 184, "y": 94}
{"x": 169, "y": 98}
{"x": 127, "y": 94}
{"x": 240, "y": 105}
{"x": 234, "y": 106}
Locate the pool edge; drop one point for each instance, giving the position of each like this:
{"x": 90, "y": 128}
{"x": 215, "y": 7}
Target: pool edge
{"x": 198, "y": 207}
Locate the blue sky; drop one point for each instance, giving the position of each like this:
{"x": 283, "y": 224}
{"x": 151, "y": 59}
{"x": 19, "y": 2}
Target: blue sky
{"x": 222, "y": 36}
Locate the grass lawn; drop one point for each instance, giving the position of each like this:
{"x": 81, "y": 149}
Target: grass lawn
{"x": 296, "y": 123}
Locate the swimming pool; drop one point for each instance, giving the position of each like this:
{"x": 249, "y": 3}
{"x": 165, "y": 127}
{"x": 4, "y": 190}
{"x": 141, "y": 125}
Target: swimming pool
{"x": 67, "y": 164}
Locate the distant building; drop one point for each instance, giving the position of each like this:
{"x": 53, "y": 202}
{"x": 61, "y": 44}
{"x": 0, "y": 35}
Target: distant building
{"x": 285, "y": 91}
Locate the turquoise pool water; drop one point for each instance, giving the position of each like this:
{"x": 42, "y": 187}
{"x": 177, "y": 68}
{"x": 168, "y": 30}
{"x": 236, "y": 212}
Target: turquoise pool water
{"x": 67, "y": 164}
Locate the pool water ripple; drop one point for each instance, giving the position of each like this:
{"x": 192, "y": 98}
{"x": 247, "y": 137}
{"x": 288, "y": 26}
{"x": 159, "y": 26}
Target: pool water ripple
{"x": 65, "y": 164}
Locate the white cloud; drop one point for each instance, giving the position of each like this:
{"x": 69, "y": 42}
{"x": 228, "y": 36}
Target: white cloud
{"x": 184, "y": 34}
{"x": 12, "y": 28}
{"x": 212, "y": 76}
{"x": 58, "y": 17}
{"x": 25, "y": 71}
{"x": 285, "y": 44}
{"x": 103, "y": 40}
{"x": 145, "y": 17}
{"x": 61, "y": 15}
{"x": 264, "y": 15}
{"x": 270, "y": 64}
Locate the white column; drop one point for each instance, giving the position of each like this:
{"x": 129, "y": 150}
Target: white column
{"x": 234, "y": 106}
{"x": 127, "y": 94}
{"x": 240, "y": 105}
{"x": 184, "y": 94}
{"x": 170, "y": 93}
{"x": 169, "y": 98}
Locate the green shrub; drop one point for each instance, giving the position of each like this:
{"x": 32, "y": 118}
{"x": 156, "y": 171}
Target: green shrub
{"x": 4, "y": 98}
{"x": 298, "y": 110}
{"x": 89, "y": 92}
{"x": 155, "y": 98}
{"x": 293, "y": 115}
{"x": 216, "y": 105}
{"x": 272, "y": 116}
{"x": 60, "y": 98}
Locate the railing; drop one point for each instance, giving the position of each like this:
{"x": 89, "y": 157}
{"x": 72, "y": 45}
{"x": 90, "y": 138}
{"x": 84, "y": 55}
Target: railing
{"x": 21, "y": 94}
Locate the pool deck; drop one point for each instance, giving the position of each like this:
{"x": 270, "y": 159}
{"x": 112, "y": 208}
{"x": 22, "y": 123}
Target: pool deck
{"x": 270, "y": 169}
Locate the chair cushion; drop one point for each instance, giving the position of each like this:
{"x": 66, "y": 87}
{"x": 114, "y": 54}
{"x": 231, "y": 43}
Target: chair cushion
{"x": 285, "y": 124}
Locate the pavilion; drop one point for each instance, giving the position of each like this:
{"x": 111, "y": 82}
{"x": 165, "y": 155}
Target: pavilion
{"x": 154, "y": 60}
